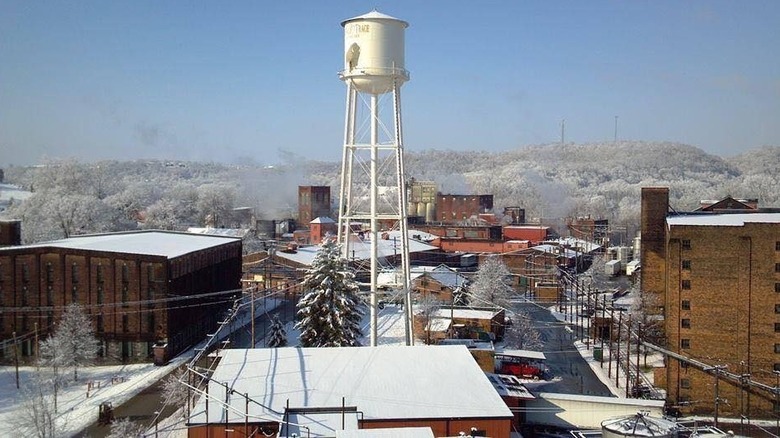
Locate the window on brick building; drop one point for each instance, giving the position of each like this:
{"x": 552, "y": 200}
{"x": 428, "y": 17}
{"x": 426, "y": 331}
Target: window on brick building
{"x": 777, "y": 327}
{"x": 50, "y": 295}
{"x": 74, "y": 273}
{"x": 686, "y": 264}
{"x": 685, "y": 383}
{"x": 685, "y": 323}
{"x": 125, "y": 323}
{"x": 686, "y": 284}
{"x": 685, "y": 305}
{"x": 777, "y": 308}
{"x": 776, "y": 367}
{"x": 125, "y": 294}
{"x": 685, "y": 343}
{"x": 150, "y": 322}
{"x": 25, "y": 295}
{"x": 777, "y": 287}
{"x": 125, "y": 273}
{"x": 777, "y": 348}
{"x": 100, "y": 294}
{"x": 100, "y": 324}
{"x": 99, "y": 273}
{"x": 686, "y": 244}
{"x": 777, "y": 246}
{"x": 49, "y": 273}
{"x": 25, "y": 273}
{"x": 777, "y": 267}
{"x": 74, "y": 295}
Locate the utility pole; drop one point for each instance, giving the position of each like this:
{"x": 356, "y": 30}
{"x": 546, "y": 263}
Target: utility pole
{"x": 16, "y": 359}
{"x": 717, "y": 369}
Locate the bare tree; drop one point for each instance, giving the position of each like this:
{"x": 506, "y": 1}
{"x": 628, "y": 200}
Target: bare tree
{"x": 427, "y": 308}
{"x": 39, "y": 410}
{"x": 73, "y": 343}
{"x": 522, "y": 334}
{"x": 174, "y": 390}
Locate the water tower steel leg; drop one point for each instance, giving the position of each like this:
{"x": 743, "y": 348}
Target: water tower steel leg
{"x": 374, "y": 222}
{"x": 343, "y": 233}
{"x": 402, "y": 216}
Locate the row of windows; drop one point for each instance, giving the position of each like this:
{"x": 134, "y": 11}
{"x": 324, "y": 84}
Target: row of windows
{"x": 74, "y": 273}
{"x": 686, "y": 285}
{"x": 686, "y": 244}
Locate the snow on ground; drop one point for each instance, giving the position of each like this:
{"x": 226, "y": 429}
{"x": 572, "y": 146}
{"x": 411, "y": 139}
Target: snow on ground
{"x": 77, "y": 408}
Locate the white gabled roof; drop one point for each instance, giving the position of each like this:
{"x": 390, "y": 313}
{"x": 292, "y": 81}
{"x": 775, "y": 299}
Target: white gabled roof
{"x": 155, "y": 243}
{"x": 723, "y": 220}
{"x": 384, "y": 383}
{"x": 322, "y": 220}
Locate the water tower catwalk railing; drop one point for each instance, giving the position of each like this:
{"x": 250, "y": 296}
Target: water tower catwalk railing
{"x": 372, "y": 173}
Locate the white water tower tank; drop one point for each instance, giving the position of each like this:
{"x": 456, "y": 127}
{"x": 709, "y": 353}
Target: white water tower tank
{"x": 374, "y": 52}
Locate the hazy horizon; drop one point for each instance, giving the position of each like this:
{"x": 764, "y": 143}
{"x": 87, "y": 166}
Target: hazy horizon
{"x": 257, "y": 81}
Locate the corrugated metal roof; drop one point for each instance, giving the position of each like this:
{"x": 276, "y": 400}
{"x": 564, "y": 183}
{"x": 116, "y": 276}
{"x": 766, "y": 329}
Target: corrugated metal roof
{"x": 387, "y": 382}
{"x": 156, "y": 243}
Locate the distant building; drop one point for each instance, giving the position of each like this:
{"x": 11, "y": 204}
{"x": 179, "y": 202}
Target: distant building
{"x": 313, "y": 202}
{"x": 457, "y": 208}
{"x": 320, "y": 392}
{"x": 141, "y": 289}
{"x": 715, "y": 276}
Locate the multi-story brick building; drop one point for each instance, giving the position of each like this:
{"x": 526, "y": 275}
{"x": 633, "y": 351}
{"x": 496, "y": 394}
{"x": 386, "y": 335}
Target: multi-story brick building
{"x": 313, "y": 202}
{"x": 458, "y": 208}
{"x": 716, "y": 279}
{"x": 140, "y": 289}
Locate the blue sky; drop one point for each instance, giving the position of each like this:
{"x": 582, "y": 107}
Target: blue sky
{"x": 236, "y": 81}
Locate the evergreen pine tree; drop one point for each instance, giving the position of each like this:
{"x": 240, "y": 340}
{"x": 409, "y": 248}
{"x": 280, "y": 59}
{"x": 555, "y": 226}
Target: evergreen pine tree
{"x": 329, "y": 314}
{"x": 278, "y": 334}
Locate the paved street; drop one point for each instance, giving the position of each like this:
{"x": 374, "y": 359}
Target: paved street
{"x": 563, "y": 359}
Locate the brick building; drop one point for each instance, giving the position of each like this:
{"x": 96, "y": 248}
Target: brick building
{"x": 457, "y": 208}
{"x": 313, "y": 202}
{"x": 716, "y": 276}
{"x": 140, "y": 289}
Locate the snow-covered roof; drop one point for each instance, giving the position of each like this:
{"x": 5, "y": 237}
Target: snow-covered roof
{"x": 577, "y": 243}
{"x": 447, "y": 276}
{"x": 553, "y": 249}
{"x": 723, "y": 220}
{"x": 387, "y": 382}
{"x": 228, "y": 232}
{"x": 323, "y": 220}
{"x": 530, "y": 354}
{"x": 400, "y": 432}
{"x": 155, "y": 243}
{"x": 359, "y": 250}
{"x": 508, "y": 385}
{"x": 466, "y": 313}
{"x": 8, "y": 192}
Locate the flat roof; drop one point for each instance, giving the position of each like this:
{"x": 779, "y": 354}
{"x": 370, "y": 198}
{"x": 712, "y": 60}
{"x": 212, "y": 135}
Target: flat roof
{"x": 359, "y": 250}
{"x": 466, "y": 313}
{"x": 156, "y": 243}
{"x": 387, "y": 382}
{"x": 723, "y": 220}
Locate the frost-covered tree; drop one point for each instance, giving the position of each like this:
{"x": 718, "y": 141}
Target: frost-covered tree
{"x": 278, "y": 336}
{"x": 329, "y": 314}
{"x": 425, "y": 313}
{"x": 38, "y": 411}
{"x": 174, "y": 390}
{"x": 492, "y": 285}
{"x": 522, "y": 334}
{"x": 126, "y": 428}
{"x": 73, "y": 343}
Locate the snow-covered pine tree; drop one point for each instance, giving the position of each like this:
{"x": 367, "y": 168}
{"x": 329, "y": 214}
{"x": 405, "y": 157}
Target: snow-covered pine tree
{"x": 329, "y": 314}
{"x": 492, "y": 284}
{"x": 73, "y": 343}
{"x": 278, "y": 334}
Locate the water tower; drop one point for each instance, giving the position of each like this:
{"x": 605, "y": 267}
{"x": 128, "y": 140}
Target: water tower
{"x": 373, "y": 195}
